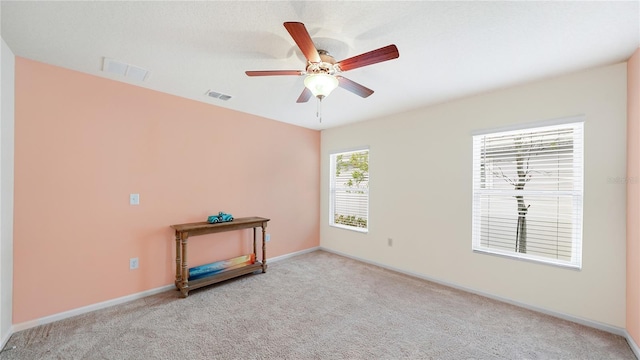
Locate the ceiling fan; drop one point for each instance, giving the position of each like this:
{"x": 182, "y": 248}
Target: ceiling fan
{"x": 322, "y": 71}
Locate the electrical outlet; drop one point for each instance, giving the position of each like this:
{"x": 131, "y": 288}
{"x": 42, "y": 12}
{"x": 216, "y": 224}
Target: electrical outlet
{"x": 133, "y": 263}
{"x": 134, "y": 199}
{"x": 267, "y": 237}
{"x": 390, "y": 241}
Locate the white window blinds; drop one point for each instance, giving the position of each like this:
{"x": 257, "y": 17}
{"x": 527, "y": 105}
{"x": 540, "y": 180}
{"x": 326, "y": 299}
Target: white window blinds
{"x": 527, "y": 193}
{"x": 349, "y": 190}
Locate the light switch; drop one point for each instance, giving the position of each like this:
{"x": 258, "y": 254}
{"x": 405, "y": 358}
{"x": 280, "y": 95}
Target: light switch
{"x": 134, "y": 199}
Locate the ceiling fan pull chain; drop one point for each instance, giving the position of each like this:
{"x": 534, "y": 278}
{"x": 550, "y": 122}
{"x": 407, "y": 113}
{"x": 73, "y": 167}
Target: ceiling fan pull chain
{"x": 319, "y": 110}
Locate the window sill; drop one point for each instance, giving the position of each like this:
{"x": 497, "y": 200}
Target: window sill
{"x": 350, "y": 228}
{"x": 528, "y": 259}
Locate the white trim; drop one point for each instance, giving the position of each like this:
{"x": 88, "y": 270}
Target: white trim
{"x": 105, "y": 304}
{"x": 7, "y": 166}
{"x": 89, "y": 308}
{"x": 350, "y": 150}
{"x": 531, "y": 124}
{"x": 590, "y": 323}
{"x": 290, "y": 255}
{"x": 632, "y": 344}
{"x": 351, "y": 228}
{"x": 535, "y": 260}
{"x": 6, "y": 338}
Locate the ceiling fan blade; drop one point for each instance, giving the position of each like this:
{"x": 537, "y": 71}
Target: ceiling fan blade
{"x": 305, "y": 96}
{"x": 354, "y": 87}
{"x": 274, "y": 72}
{"x": 388, "y": 52}
{"x": 302, "y": 38}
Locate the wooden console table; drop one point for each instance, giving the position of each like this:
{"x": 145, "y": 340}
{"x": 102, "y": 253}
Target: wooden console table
{"x": 183, "y": 231}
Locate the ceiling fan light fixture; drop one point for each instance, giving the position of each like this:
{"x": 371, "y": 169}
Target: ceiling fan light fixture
{"x": 321, "y": 85}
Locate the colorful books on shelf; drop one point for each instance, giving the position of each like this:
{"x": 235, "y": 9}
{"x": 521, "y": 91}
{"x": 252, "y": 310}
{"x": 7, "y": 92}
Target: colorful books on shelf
{"x": 199, "y": 272}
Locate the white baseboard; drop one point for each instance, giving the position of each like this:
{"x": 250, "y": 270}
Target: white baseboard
{"x": 590, "y": 323}
{"x": 290, "y": 255}
{"x": 89, "y": 308}
{"x": 632, "y": 344}
{"x": 105, "y": 304}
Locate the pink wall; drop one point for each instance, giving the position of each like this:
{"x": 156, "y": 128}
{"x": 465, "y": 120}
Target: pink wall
{"x": 84, "y": 143}
{"x": 633, "y": 196}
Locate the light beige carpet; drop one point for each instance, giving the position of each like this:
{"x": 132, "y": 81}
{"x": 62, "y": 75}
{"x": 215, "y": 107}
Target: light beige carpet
{"x": 317, "y": 306}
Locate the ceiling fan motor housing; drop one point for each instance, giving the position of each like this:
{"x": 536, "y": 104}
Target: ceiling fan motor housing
{"x": 325, "y": 66}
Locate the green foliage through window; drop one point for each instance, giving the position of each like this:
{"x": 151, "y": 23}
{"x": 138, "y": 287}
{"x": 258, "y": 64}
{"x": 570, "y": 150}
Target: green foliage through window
{"x": 357, "y": 163}
{"x": 350, "y": 220}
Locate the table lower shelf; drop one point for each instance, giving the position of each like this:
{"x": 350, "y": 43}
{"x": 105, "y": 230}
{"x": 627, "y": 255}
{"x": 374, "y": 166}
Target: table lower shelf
{"x": 216, "y": 278}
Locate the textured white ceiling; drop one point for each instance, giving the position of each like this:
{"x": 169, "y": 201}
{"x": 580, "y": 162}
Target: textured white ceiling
{"x": 447, "y": 49}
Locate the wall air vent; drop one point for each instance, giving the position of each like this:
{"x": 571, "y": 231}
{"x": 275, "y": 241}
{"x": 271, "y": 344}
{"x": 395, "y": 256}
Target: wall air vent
{"x": 217, "y": 95}
{"x": 129, "y": 71}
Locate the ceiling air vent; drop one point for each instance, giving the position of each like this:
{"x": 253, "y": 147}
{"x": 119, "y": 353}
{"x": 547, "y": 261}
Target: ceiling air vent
{"x": 129, "y": 71}
{"x": 217, "y": 95}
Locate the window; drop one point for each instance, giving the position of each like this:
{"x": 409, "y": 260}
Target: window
{"x": 527, "y": 193}
{"x": 349, "y": 190}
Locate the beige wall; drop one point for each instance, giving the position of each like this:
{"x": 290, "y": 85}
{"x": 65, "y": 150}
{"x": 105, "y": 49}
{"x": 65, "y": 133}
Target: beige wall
{"x": 420, "y": 186}
{"x": 633, "y": 196}
{"x": 84, "y": 143}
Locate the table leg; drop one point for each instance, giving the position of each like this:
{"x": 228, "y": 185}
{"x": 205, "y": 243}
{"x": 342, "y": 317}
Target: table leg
{"x": 184, "y": 286}
{"x": 178, "y": 261}
{"x": 255, "y": 254}
{"x": 264, "y": 247}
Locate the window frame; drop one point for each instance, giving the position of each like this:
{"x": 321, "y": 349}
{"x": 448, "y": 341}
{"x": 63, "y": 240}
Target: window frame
{"x": 332, "y": 189}
{"x": 577, "y": 193}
